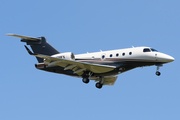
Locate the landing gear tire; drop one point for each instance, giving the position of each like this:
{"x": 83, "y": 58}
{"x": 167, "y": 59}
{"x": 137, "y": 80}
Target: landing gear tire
{"x": 158, "y": 73}
{"x": 99, "y": 85}
{"x": 85, "y": 80}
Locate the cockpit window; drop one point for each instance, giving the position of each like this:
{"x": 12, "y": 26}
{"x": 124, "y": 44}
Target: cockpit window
{"x": 153, "y": 50}
{"x": 146, "y": 50}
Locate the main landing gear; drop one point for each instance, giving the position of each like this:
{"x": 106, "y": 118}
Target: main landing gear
{"x": 85, "y": 80}
{"x": 98, "y": 84}
{"x": 86, "y": 77}
{"x": 157, "y": 71}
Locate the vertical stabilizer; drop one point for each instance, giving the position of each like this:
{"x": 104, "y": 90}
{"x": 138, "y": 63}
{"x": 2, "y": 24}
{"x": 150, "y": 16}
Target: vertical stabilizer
{"x": 43, "y": 48}
{"x": 39, "y": 45}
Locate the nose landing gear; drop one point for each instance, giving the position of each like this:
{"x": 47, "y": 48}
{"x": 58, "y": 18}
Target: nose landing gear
{"x": 157, "y": 71}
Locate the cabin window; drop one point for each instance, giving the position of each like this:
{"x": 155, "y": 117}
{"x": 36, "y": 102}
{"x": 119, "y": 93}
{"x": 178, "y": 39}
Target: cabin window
{"x": 123, "y": 54}
{"x": 117, "y": 55}
{"x": 103, "y": 56}
{"x": 130, "y": 53}
{"x": 111, "y": 55}
{"x": 146, "y": 50}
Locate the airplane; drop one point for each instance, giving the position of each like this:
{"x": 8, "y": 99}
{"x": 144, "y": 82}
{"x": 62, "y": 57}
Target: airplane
{"x": 103, "y": 67}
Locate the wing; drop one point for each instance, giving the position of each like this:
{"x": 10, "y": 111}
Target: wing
{"x": 108, "y": 80}
{"x": 76, "y": 66}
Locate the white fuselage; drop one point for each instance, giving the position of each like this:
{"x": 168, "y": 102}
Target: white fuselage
{"x": 129, "y": 54}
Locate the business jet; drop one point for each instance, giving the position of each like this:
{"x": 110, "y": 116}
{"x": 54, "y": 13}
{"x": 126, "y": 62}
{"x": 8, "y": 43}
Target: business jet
{"x": 102, "y": 67}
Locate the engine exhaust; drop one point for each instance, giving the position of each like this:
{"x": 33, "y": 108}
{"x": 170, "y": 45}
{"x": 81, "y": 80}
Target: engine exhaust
{"x": 40, "y": 65}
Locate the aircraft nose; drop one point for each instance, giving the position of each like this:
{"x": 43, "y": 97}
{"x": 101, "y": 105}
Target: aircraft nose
{"x": 165, "y": 58}
{"x": 171, "y": 59}
{"x": 168, "y": 58}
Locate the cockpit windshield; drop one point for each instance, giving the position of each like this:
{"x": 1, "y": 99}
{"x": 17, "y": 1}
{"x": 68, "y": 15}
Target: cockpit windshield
{"x": 149, "y": 50}
{"x": 146, "y": 50}
{"x": 153, "y": 50}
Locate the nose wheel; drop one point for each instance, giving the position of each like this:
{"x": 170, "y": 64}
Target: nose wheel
{"x": 157, "y": 72}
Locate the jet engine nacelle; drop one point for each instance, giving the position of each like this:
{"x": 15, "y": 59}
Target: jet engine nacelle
{"x": 67, "y": 55}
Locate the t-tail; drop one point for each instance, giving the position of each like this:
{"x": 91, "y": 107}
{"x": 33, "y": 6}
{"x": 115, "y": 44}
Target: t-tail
{"x": 39, "y": 45}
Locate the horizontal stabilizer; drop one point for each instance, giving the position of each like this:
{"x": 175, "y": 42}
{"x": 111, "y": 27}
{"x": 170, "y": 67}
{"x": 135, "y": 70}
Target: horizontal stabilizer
{"x": 25, "y": 37}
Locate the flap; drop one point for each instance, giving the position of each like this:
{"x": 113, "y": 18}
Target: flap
{"x": 108, "y": 80}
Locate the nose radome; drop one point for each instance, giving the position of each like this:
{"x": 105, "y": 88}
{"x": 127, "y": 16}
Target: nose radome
{"x": 164, "y": 57}
{"x": 171, "y": 58}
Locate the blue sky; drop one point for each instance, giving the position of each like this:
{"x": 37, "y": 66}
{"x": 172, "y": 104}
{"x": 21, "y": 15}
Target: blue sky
{"x": 87, "y": 26}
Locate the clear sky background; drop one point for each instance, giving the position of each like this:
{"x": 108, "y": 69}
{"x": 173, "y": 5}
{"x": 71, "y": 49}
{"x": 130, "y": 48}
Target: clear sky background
{"x": 81, "y": 26}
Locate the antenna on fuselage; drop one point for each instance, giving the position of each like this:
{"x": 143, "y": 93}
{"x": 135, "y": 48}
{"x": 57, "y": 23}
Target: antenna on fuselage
{"x": 132, "y": 46}
{"x": 100, "y": 50}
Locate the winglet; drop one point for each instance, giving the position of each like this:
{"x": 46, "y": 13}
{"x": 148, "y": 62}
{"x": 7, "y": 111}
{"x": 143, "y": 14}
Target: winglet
{"x": 28, "y": 50}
